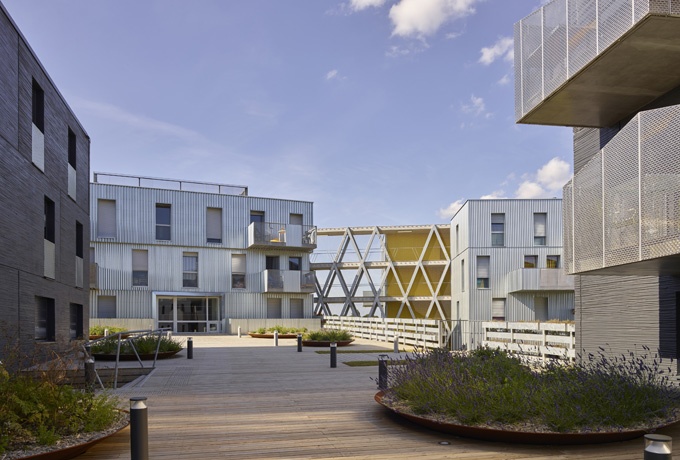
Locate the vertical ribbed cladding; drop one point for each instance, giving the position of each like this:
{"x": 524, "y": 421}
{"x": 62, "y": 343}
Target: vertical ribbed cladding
{"x": 532, "y": 60}
{"x": 587, "y": 197}
{"x": 621, "y": 197}
{"x": 555, "y": 46}
{"x": 129, "y": 304}
{"x": 568, "y": 226}
{"x": 586, "y": 145}
{"x": 520, "y": 306}
{"x": 660, "y": 162}
{"x": 614, "y": 18}
{"x": 582, "y": 33}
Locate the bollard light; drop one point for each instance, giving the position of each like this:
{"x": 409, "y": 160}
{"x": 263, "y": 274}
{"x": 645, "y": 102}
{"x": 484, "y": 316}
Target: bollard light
{"x": 190, "y": 348}
{"x": 139, "y": 429}
{"x": 658, "y": 447}
{"x": 334, "y": 356}
{"x": 299, "y": 342}
{"x": 276, "y": 338}
{"x": 382, "y": 372}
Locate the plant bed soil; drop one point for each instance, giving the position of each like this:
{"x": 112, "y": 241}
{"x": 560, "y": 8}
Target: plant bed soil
{"x": 325, "y": 343}
{"x": 515, "y": 436}
{"x": 271, "y": 336}
{"x": 132, "y": 357}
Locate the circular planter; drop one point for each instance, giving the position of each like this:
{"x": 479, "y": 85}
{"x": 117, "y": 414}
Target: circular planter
{"x": 271, "y": 336}
{"x": 142, "y": 356}
{"x": 325, "y": 343}
{"x": 519, "y": 437}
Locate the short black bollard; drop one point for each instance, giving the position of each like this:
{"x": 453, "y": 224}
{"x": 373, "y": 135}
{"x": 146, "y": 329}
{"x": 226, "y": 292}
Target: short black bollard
{"x": 139, "y": 429}
{"x": 334, "y": 354}
{"x": 299, "y": 337}
{"x": 90, "y": 373}
{"x": 190, "y": 348}
{"x": 382, "y": 372}
{"x": 658, "y": 447}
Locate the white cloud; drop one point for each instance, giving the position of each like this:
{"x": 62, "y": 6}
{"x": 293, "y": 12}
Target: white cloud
{"x": 503, "y": 48}
{"x": 504, "y": 80}
{"x": 547, "y": 182}
{"x": 451, "y": 210}
{"x": 358, "y": 5}
{"x": 529, "y": 189}
{"x": 332, "y": 74}
{"x": 420, "y": 18}
{"x": 477, "y": 107}
{"x": 495, "y": 195}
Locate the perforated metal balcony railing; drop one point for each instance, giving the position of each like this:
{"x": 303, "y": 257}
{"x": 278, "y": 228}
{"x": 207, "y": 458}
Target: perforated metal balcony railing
{"x": 271, "y": 234}
{"x": 625, "y": 202}
{"x": 595, "y": 62}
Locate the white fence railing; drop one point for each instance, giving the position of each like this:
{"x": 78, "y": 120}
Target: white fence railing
{"x": 422, "y": 333}
{"x": 538, "y": 340}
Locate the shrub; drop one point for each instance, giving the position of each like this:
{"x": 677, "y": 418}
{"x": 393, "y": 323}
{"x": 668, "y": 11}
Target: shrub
{"x": 328, "y": 335}
{"x": 488, "y": 387}
{"x": 144, "y": 345}
{"x": 99, "y": 330}
{"x": 281, "y": 330}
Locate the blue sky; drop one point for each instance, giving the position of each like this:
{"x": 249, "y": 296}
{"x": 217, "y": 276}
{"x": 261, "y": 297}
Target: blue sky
{"x": 381, "y": 112}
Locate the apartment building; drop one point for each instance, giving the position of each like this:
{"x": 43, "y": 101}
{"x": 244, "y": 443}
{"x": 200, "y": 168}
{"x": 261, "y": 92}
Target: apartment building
{"x": 609, "y": 70}
{"x": 507, "y": 263}
{"x": 194, "y": 256}
{"x": 44, "y": 200}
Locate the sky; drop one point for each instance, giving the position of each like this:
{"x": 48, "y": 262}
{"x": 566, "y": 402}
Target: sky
{"x": 381, "y": 112}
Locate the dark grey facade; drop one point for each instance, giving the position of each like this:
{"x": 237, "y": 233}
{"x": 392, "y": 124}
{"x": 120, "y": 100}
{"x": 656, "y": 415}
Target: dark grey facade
{"x": 44, "y": 219}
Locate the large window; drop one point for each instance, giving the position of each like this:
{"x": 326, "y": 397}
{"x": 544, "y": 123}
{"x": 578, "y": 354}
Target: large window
{"x": 49, "y": 226}
{"x": 44, "y": 319}
{"x": 238, "y": 271}
{"x": 497, "y": 229}
{"x": 140, "y": 267}
{"x": 539, "y": 228}
{"x": 106, "y": 218}
{"x": 295, "y": 263}
{"x": 106, "y": 306}
{"x": 552, "y": 261}
{"x": 213, "y": 225}
{"x": 530, "y": 261}
{"x": 190, "y": 269}
{"x": 483, "y": 271}
{"x": 163, "y": 222}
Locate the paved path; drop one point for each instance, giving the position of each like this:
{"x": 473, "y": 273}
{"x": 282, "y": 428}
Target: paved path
{"x": 246, "y": 399}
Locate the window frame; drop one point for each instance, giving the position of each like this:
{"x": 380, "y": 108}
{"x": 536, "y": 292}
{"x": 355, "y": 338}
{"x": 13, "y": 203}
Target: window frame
{"x": 160, "y": 207}
{"x": 483, "y": 282}
{"x": 49, "y": 224}
{"x": 238, "y": 278}
{"x": 495, "y": 232}
{"x": 38, "y": 106}
{"x": 540, "y": 229}
{"x": 552, "y": 263}
{"x": 291, "y": 265}
{"x": 192, "y": 281}
{"x": 140, "y": 278}
{"x": 45, "y": 314}
{"x": 528, "y": 261}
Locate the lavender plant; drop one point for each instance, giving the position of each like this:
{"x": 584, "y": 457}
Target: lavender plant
{"x": 490, "y": 387}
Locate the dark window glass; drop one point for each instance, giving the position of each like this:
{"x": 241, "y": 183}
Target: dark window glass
{"x": 79, "y": 240}
{"x": 72, "y": 148}
{"x": 38, "y": 107}
{"x": 163, "y": 222}
{"x": 294, "y": 263}
{"x": 49, "y": 220}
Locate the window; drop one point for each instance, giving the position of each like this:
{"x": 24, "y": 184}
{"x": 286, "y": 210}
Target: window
{"x": 140, "y": 267}
{"x": 552, "y": 261}
{"x": 38, "y": 107}
{"x": 44, "y": 319}
{"x": 72, "y": 148}
{"x": 49, "y": 220}
{"x": 272, "y": 263}
{"x": 213, "y": 225}
{"x": 541, "y": 308}
{"x": 497, "y": 229}
{"x": 273, "y": 308}
{"x": 483, "y": 272}
{"x": 106, "y": 306}
{"x": 238, "y": 271}
{"x": 190, "y": 269}
{"x": 76, "y": 321}
{"x": 530, "y": 261}
{"x": 163, "y": 222}
{"x": 296, "y": 308}
{"x": 79, "y": 240}
{"x": 539, "y": 228}
{"x": 462, "y": 275}
{"x": 498, "y": 309}
{"x": 457, "y": 241}
{"x": 294, "y": 263}
{"x": 295, "y": 219}
{"x": 106, "y": 218}
{"x": 256, "y": 216}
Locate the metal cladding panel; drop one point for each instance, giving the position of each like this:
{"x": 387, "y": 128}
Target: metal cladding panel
{"x": 586, "y": 146}
{"x": 129, "y": 304}
{"x": 520, "y": 306}
{"x": 640, "y": 9}
{"x": 621, "y": 197}
{"x": 588, "y": 216}
{"x": 614, "y": 18}
{"x": 568, "y": 216}
{"x": 555, "y": 51}
{"x": 252, "y": 305}
{"x": 532, "y": 60}
{"x": 660, "y": 177}
{"x": 582, "y": 33}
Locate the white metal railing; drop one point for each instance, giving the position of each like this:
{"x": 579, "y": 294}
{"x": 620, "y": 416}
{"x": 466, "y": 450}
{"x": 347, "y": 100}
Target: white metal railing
{"x": 169, "y": 184}
{"x": 532, "y": 339}
{"x": 422, "y": 333}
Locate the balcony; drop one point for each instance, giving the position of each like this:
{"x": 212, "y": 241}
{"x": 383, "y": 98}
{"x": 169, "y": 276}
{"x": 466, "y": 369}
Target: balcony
{"x": 540, "y": 279}
{"x": 265, "y": 235}
{"x": 592, "y": 64}
{"x": 291, "y": 281}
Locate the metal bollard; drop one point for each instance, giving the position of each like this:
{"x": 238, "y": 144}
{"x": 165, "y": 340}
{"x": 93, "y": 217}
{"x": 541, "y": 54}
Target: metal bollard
{"x": 396, "y": 344}
{"x": 334, "y": 354}
{"x": 658, "y": 447}
{"x": 239, "y": 332}
{"x": 139, "y": 429}
{"x": 276, "y": 338}
{"x": 90, "y": 373}
{"x": 190, "y": 348}
{"x": 106, "y": 331}
{"x": 299, "y": 338}
{"x": 382, "y": 372}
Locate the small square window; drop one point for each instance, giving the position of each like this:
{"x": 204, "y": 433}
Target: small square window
{"x": 530, "y": 261}
{"x": 552, "y": 262}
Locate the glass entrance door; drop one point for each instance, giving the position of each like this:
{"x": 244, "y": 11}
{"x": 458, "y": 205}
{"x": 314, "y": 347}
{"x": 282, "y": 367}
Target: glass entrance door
{"x": 189, "y": 314}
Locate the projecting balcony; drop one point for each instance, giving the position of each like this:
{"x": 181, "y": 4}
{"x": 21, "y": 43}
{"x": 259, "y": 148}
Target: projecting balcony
{"x": 290, "y": 281}
{"x": 266, "y": 235}
{"x": 540, "y": 279}
{"x": 592, "y": 64}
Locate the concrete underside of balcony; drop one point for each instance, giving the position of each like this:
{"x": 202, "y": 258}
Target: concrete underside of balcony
{"x": 629, "y": 76}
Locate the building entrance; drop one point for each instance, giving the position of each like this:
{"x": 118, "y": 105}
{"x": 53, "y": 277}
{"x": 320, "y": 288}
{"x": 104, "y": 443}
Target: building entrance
{"x": 189, "y": 314}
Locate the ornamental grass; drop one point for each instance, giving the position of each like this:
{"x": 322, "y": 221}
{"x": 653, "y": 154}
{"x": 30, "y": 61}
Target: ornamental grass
{"x": 328, "y": 335}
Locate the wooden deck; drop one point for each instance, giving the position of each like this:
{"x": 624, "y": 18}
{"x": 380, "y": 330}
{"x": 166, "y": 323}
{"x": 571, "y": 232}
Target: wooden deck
{"x": 246, "y": 399}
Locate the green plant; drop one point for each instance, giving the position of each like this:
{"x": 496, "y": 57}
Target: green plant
{"x": 144, "y": 345}
{"x": 328, "y": 335}
{"x": 99, "y": 330}
{"x": 280, "y": 330}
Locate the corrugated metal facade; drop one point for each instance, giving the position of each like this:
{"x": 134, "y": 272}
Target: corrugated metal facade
{"x": 473, "y": 222}
{"x": 136, "y": 229}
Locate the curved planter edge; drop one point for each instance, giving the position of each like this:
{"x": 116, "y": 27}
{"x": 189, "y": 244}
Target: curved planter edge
{"x": 143, "y": 357}
{"x": 519, "y": 437}
{"x": 323, "y": 343}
